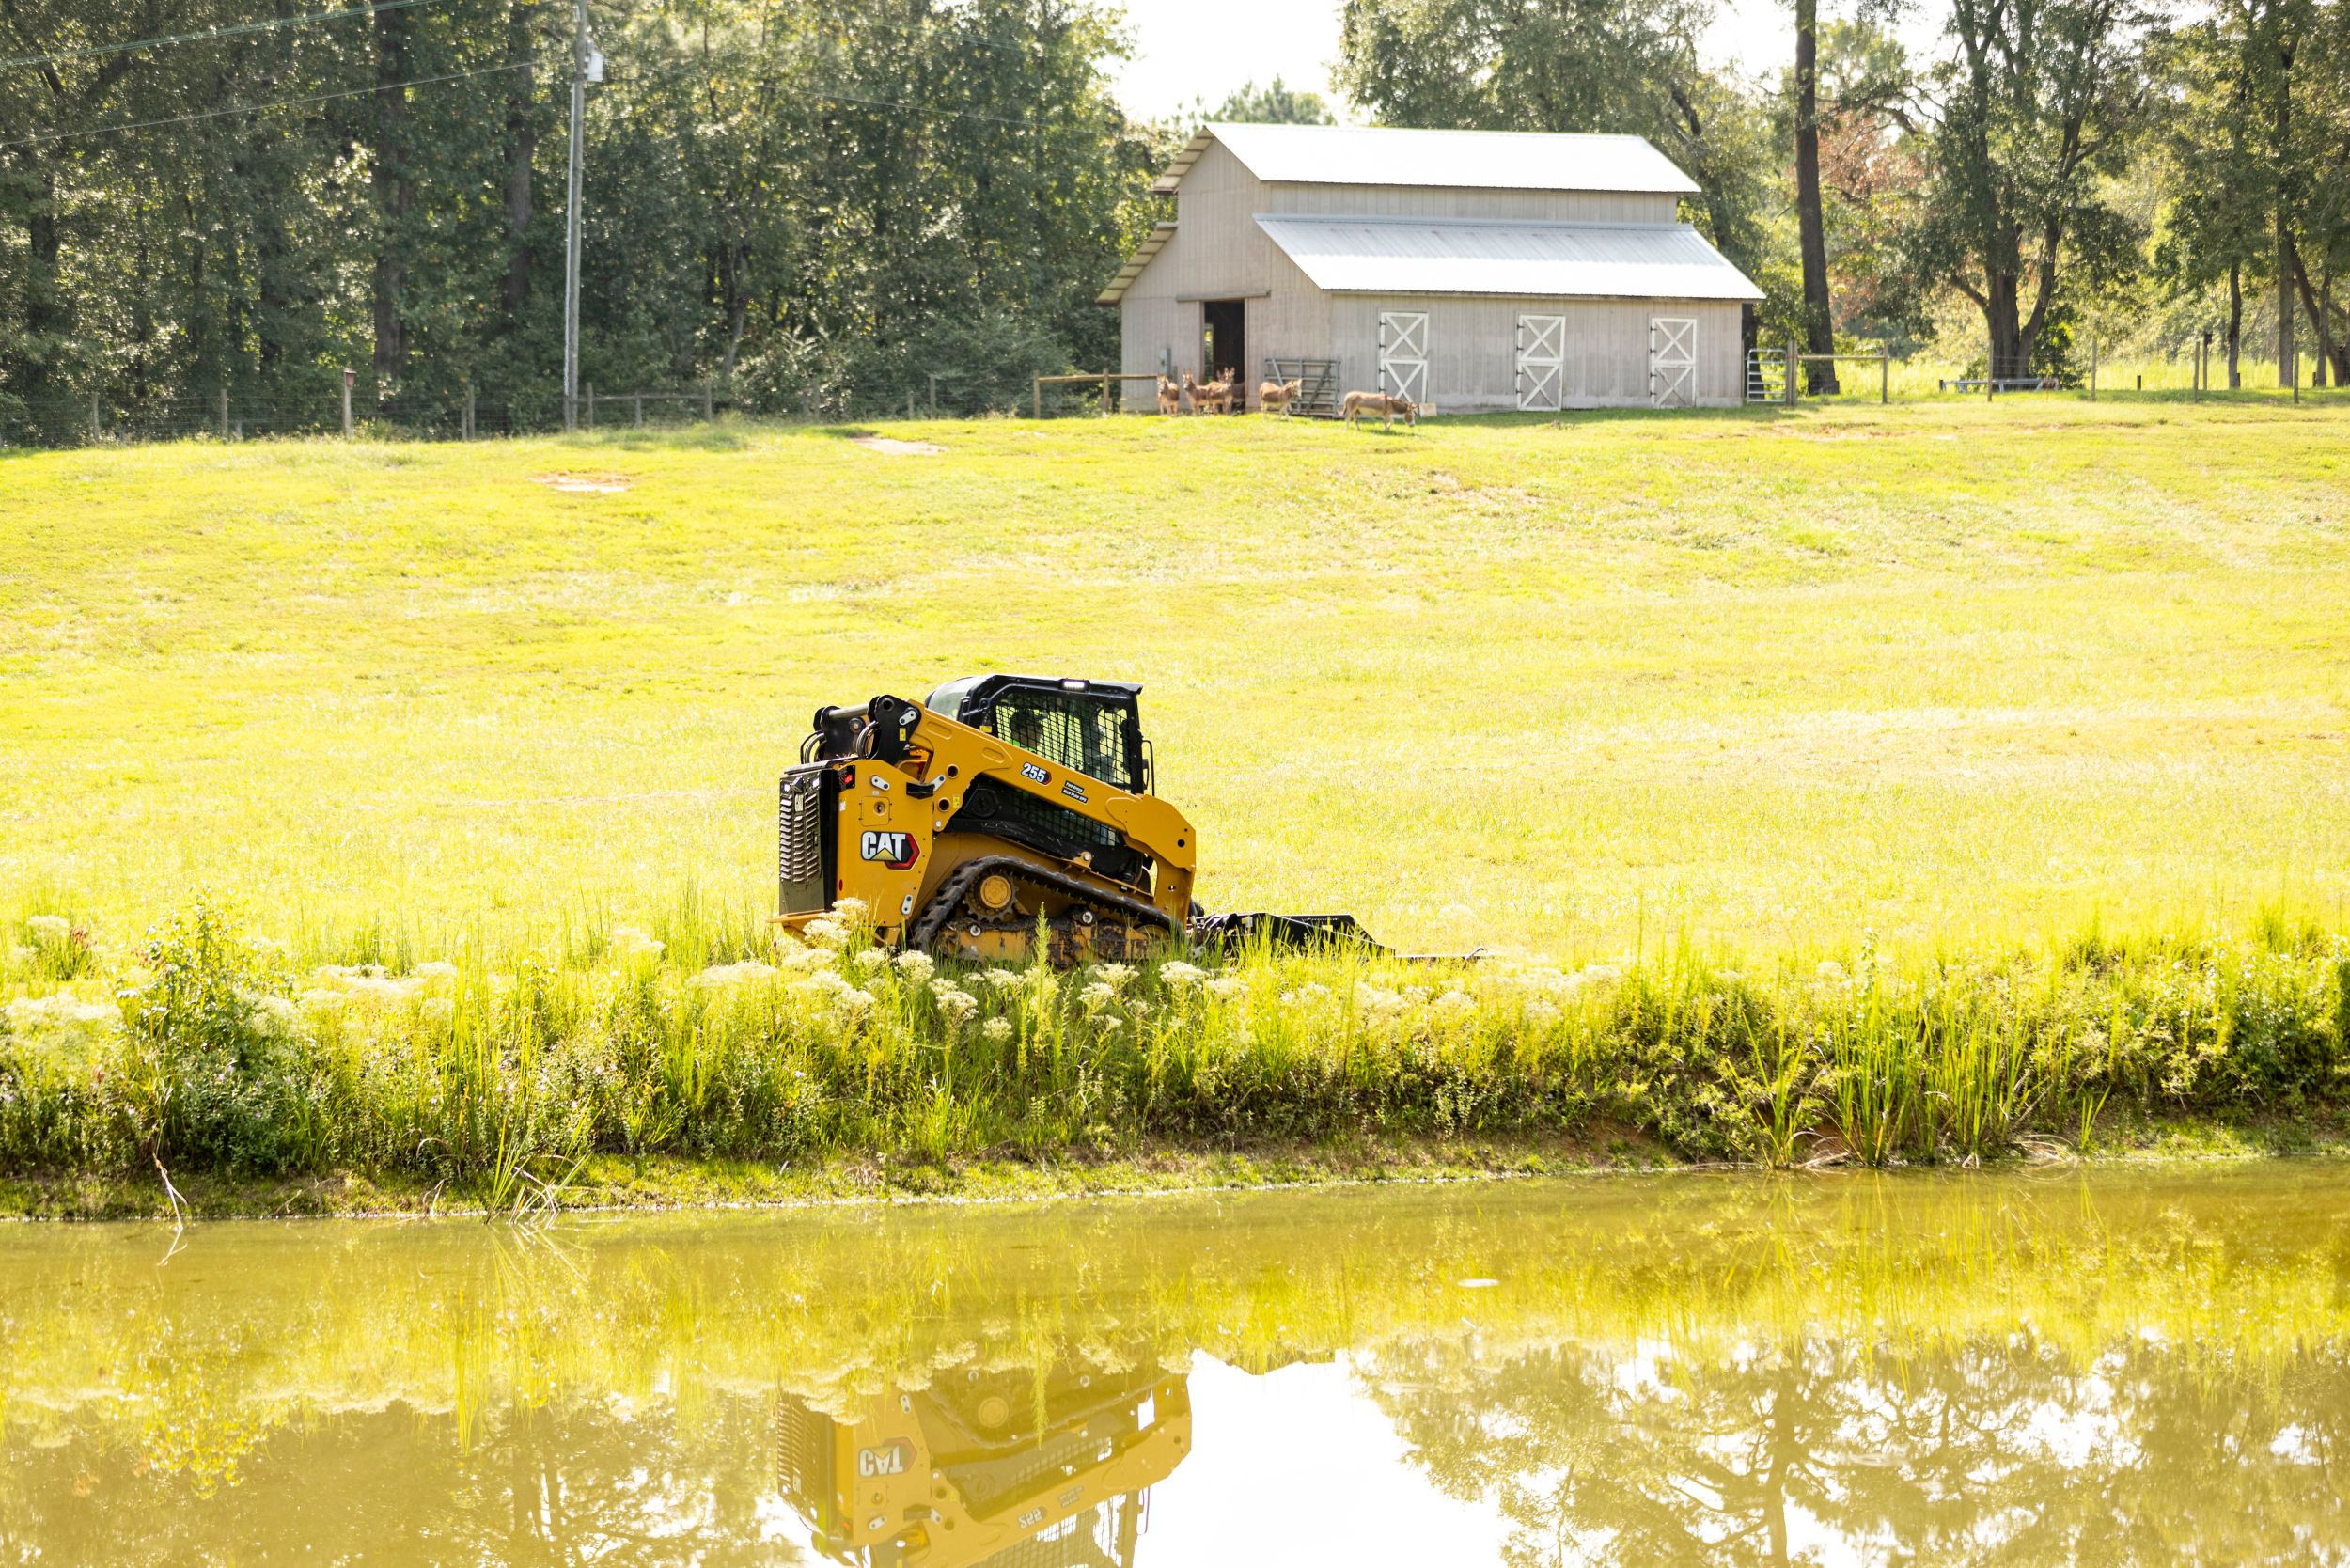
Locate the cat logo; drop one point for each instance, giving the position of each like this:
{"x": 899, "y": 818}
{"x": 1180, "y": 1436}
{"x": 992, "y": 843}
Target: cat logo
{"x": 897, "y": 851}
{"x": 885, "y": 1459}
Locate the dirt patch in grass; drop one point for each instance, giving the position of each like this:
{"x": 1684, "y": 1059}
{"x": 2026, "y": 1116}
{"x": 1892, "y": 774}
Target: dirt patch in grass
{"x": 584, "y": 484}
{"x": 891, "y": 444}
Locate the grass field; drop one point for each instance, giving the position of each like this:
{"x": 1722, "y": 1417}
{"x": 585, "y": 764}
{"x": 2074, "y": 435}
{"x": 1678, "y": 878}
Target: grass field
{"x": 1931, "y": 685}
{"x": 1951, "y": 675}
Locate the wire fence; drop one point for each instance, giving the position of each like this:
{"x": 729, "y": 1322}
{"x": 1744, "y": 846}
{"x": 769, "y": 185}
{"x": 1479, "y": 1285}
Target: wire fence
{"x": 2189, "y": 371}
{"x": 122, "y": 414}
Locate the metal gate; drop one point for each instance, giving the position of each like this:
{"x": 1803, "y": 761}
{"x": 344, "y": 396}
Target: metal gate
{"x": 1673, "y": 362}
{"x": 1403, "y": 354}
{"x": 1541, "y": 362}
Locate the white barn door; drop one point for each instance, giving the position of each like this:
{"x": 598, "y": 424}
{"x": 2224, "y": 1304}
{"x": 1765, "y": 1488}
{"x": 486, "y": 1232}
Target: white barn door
{"x": 1403, "y": 354}
{"x": 1541, "y": 362}
{"x": 1673, "y": 362}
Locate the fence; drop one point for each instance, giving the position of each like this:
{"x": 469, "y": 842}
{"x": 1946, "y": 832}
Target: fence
{"x": 68, "y": 421}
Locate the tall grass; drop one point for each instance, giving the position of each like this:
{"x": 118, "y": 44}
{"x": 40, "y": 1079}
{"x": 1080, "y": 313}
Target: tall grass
{"x": 207, "y": 1050}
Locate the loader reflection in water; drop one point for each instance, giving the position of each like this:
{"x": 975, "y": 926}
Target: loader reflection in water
{"x": 1038, "y": 1467}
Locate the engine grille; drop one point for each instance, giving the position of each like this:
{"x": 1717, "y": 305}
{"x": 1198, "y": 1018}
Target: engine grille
{"x": 806, "y": 802}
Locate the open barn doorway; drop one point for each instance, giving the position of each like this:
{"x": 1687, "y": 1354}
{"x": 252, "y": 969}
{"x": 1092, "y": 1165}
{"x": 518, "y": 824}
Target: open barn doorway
{"x": 1223, "y": 344}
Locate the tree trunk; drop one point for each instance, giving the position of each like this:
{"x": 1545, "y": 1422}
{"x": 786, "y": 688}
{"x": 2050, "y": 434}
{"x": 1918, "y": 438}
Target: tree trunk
{"x": 1819, "y": 324}
{"x": 44, "y": 307}
{"x": 2235, "y": 323}
{"x": 388, "y": 179}
{"x": 522, "y": 151}
{"x": 2288, "y": 353}
{"x": 2319, "y": 303}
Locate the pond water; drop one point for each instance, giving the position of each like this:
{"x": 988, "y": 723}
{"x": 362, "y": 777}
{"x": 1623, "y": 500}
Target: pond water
{"x": 2100, "y": 1366}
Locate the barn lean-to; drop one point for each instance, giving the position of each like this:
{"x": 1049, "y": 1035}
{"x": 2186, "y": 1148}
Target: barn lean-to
{"x": 1471, "y": 271}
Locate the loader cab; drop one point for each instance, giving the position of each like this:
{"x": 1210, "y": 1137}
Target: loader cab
{"x": 1093, "y": 728}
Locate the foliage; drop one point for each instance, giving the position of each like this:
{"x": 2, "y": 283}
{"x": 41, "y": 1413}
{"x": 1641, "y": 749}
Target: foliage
{"x": 846, "y": 182}
{"x": 842, "y": 1046}
{"x": 1275, "y": 103}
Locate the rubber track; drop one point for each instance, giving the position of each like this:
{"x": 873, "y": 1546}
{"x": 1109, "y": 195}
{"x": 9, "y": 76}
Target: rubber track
{"x": 935, "y": 914}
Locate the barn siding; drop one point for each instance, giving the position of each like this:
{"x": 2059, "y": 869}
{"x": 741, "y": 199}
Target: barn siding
{"x": 1472, "y": 348}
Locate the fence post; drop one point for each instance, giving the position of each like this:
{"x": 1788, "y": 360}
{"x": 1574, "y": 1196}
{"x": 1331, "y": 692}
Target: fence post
{"x": 1036, "y": 394}
{"x": 350, "y": 375}
{"x": 640, "y": 409}
{"x": 1885, "y": 373}
{"x": 591, "y": 405}
{"x": 710, "y": 403}
{"x": 909, "y": 403}
{"x": 469, "y": 411}
{"x": 1106, "y": 394}
{"x": 933, "y": 375}
{"x": 97, "y": 426}
{"x": 224, "y": 414}
{"x": 2093, "y": 370}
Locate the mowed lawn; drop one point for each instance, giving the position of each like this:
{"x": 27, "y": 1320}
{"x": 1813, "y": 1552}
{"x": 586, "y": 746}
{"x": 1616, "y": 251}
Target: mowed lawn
{"x": 1957, "y": 676}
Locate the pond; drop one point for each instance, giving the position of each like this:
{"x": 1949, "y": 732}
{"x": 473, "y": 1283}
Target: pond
{"x": 2100, "y": 1365}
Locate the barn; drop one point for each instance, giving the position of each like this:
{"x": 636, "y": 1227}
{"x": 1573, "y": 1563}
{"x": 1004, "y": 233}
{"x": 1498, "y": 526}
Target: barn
{"x": 1467, "y": 270}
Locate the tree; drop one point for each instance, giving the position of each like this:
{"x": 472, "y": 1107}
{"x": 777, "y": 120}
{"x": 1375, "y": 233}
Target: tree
{"x": 1818, "y": 319}
{"x": 1273, "y": 105}
{"x": 2039, "y": 101}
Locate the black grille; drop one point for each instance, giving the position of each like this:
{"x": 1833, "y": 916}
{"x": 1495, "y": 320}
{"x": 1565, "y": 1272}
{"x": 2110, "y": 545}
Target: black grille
{"x": 998, "y": 809}
{"x": 804, "y": 1461}
{"x": 806, "y": 803}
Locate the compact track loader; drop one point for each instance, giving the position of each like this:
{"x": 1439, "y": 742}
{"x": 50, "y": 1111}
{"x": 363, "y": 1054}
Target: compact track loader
{"x": 1002, "y": 810}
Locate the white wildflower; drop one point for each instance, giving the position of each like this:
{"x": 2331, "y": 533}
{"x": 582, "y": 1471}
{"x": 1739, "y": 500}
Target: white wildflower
{"x": 1098, "y": 995}
{"x": 382, "y": 990}
{"x": 1541, "y": 1014}
{"x": 319, "y": 1000}
{"x": 826, "y": 933}
{"x": 1601, "y": 974}
{"x": 1176, "y": 972}
{"x": 50, "y": 928}
{"x": 853, "y": 912}
{"x": 1111, "y": 1023}
{"x": 915, "y": 965}
{"x": 1306, "y": 994}
{"x": 1006, "y": 980}
{"x": 849, "y": 999}
{"x": 438, "y": 969}
{"x": 1226, "y": 987}
{"x": 871, "y": 960}
{"x": 955, "y": 1003}
{"x": 28, "y": 1014}
{"x": 1728, "y": 977}
{"x": 820, "y": 983}
{"x": 797, "y": 960}
{"x": 1455, "y": 1001}
{"x": 1832, "y": 972}
{"x": 1417, "y": 994}
{"x": 722, "y": 975}
{"x": 997, "y": 1029}
{"x": 1377, "y": 1000}
{"x": 437, "y": 1010}
{"x": 1138, "y": 1007}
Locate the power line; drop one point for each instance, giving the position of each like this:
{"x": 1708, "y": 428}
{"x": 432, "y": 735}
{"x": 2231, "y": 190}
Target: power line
{"x": 238, "y": 31}
{"x": 254, "y": 108}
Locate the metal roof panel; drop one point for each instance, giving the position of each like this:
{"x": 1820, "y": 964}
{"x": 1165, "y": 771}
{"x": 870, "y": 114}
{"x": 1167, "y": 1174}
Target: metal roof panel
{"x": 1453, "y": 256}
{"x": 1484, "y": 160}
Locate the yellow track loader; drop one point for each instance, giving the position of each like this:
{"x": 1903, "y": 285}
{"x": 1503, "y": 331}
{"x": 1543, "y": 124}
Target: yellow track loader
{"x": 1000, "y": 811}
{"x": 1045, "y": 1466}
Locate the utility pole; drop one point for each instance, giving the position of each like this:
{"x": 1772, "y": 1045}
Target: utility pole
{"x": 586, "y": 66}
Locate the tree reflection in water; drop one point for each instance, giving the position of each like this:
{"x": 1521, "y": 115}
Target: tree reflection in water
{"x": 2106, "y": 1367}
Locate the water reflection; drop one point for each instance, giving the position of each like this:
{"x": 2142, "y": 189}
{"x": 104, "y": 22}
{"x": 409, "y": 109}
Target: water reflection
{"x": 987, "y": 1467}
{"x": 2112, "y": 1366}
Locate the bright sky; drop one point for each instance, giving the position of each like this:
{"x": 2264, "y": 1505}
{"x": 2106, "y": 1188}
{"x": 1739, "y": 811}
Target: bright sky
{"x": 1187, "y": 49}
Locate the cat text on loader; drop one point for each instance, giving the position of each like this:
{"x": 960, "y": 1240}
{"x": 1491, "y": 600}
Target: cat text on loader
{"x": 1002, "y": 807}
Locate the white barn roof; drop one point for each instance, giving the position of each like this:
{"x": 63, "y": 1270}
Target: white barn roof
{"x": 1458, "y": 255}
{"x": 1482, "y": 160}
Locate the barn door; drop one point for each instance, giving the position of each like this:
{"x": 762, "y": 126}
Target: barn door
{"x": 1673, "y": 362}
{"x": 1403, "y": 354}
{"x": 1542, "y": 361}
